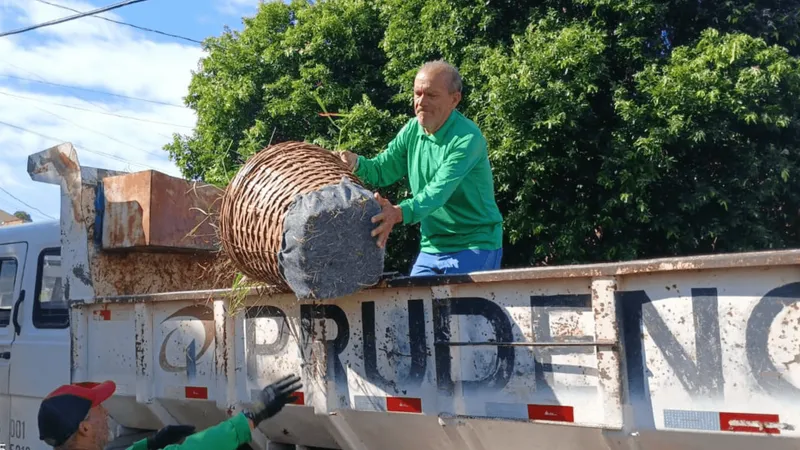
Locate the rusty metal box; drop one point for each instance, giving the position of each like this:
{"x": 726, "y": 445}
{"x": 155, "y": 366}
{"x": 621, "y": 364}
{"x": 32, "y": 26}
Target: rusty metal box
{"x": 153, "y": 211}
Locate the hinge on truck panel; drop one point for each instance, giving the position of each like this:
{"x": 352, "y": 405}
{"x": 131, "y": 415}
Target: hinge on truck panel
{"x": 99, "y": 206}
{"x": 609, "y": 360}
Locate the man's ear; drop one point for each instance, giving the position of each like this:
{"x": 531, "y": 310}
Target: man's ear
{"x": 85, "y": 428}
{"x": 456, "y": 99}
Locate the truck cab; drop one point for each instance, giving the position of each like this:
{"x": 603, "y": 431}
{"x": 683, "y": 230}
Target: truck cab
{"x": 34, "y": 328}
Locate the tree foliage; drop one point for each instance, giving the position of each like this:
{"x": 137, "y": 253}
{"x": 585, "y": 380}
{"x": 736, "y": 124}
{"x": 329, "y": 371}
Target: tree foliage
{"x": 23, "y": 215}
{"x": 617, "y": 130}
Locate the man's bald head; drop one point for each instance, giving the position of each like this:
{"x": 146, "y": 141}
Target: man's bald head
{"x": 441, "y": 67}
{"x": 437, "y": 92}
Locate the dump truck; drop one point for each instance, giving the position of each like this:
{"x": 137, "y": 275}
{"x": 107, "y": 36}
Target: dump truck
{"x": 698, "y": 352}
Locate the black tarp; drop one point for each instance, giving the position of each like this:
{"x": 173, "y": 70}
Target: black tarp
{"x": 327, "y": 250}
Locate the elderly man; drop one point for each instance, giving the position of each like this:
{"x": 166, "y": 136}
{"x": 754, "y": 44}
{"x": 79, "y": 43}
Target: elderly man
{"x": 73, "y": 418}
{"x": 445, "y": 157}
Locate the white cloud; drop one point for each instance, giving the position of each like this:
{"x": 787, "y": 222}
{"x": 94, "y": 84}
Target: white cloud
{"x": 92, "y": 54}
{"x": 130, "y": 67}
{"x": 34, "y": 12}
{"x": 7, "y": 175}
{"x": 239, "y": 7}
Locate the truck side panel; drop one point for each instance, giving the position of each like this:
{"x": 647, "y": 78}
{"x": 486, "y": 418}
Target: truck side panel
{"x": 712, "y": 352}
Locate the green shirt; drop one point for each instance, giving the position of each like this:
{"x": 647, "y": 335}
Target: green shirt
{"x": 228, "y": 435}
{"x": 451, "y": 180}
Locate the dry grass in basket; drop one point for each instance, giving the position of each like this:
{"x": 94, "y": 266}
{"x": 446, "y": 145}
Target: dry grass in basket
{"x": 221, "y": 270}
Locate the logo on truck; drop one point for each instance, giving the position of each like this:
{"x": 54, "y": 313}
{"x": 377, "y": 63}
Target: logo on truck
{"x": 195, "y": 312}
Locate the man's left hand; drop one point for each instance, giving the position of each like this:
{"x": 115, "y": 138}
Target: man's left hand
{"x": 389, "y": 216}
{"x": 349, "y": 158}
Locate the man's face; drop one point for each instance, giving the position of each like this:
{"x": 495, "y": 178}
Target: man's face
{"x": 95, "y": 428}
{"x": 433, "y": 101}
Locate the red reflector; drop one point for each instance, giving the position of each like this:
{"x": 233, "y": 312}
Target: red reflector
{"x": 197, "y": 392}
{"x": 299, "y": 398}
{"x": 551, "y": 412}
{"x": 105, "y": 314}
{"x": 404, "y": 404}
{"x": 749, "y": 423}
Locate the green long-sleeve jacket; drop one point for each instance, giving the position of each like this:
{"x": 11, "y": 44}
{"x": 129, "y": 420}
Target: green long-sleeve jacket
{"x": 228, "y": 435}
{"x": 451, "y": 179}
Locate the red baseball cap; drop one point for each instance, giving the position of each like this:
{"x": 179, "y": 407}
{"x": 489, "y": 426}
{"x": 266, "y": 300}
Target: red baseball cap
{"x": 63, "y": 410}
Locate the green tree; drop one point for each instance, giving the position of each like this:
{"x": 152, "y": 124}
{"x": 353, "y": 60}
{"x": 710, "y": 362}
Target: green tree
{"x": 715, "y": 135}
{"x": 23, "y": 215}
{"x": 617, "y": 130}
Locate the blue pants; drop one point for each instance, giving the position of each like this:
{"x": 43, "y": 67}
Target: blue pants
{"x": 465, "y": 261}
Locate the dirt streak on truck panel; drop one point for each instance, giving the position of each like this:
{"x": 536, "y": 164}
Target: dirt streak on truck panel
{"x": 129, "y": 272}
{"x": 709, "y": 262}
{"x": 133, "y": 273}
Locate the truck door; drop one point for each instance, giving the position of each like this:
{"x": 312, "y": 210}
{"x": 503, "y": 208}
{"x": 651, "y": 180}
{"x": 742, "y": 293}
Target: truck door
{"x": 41, "y": 351}
{"x": 12, "y": 263}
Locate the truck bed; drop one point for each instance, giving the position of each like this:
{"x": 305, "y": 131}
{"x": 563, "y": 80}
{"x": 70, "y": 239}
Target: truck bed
{"x": 674, "y": 353}
{"x": 692, "y": 353}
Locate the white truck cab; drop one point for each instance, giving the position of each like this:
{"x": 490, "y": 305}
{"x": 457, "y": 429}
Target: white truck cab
{"x": 34, "y": 328}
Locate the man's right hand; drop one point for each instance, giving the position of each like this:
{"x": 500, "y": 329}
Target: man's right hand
{"x": 349, "y": 158}
{"x": 170, "y": 434}
{"x": 274, "y": 397}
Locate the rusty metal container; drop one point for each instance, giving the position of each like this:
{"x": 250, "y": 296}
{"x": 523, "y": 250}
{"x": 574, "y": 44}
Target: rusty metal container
{"x": 153, "y": 211}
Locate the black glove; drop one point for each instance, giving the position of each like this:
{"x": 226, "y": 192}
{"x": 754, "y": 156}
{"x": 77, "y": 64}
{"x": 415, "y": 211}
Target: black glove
{"x": 273, "y": 398}
{"x": 170, "y": 434}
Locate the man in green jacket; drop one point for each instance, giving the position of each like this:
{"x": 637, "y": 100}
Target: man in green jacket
{"x": 73, "y": 418}
{"x": 445, "y": 157}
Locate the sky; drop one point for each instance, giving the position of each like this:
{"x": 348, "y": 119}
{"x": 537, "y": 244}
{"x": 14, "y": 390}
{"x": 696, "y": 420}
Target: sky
{"x": 115, "y": 92}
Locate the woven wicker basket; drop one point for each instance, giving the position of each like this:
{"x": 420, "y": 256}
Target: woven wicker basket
{"x": 256, "y": 201}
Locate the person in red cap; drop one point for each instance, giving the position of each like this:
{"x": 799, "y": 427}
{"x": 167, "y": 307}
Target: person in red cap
{"x": 73, "y": 418}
